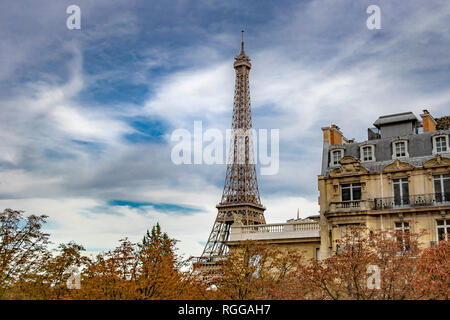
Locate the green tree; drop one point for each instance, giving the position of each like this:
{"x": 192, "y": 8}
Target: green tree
{"x": 157, "y": 244}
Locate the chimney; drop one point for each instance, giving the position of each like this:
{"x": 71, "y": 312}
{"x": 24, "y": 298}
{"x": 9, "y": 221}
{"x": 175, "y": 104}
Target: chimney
{"x": 428, "y": 122}
{"x": 332, "y": 135}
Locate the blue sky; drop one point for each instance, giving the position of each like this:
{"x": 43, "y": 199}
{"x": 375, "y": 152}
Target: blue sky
{"x": 86, "y": 115}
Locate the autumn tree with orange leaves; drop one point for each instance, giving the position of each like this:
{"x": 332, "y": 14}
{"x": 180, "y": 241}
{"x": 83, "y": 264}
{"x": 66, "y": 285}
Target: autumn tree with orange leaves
{"x": 151, "y": 269}
{"x": 147, "y": 270}
{"x": 254, "y": 271}
{"x": 258, "y": 271}
{"x": 345, "y": 274}
{"x": 405, "y": 271}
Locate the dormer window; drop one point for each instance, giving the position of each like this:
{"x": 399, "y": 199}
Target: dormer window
{"x": 367, "y": 153}
{"x": 336, "y": 156}
{"x": 440, "y": 144}
{"x": 400, "y": 149}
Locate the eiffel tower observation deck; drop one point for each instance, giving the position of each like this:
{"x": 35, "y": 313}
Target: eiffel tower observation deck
{"x": 240, "y": 201}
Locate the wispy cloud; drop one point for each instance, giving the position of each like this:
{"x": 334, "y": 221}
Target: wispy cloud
{"x": 87, "y": 115}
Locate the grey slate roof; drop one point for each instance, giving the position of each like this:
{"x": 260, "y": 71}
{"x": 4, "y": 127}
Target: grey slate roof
{"x": 420, "y": 147}
{"x": 395, "y": 118}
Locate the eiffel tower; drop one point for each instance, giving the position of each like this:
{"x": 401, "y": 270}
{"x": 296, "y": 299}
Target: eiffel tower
{"x": 240, "y": 198}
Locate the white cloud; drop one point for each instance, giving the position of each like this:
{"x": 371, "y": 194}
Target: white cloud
{"x": 73, "y": 219}
{"x": 312, "y": 66}
{"x": 193, "y": 94}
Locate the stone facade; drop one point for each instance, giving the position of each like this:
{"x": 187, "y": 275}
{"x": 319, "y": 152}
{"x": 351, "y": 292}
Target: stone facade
{"x": 398, "y": 181}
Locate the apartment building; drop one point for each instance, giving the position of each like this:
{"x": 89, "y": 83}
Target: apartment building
{"x": 398, "y": 179}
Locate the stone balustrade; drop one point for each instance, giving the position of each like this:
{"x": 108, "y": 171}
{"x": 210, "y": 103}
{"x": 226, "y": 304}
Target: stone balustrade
{"x": 273, "y": 231}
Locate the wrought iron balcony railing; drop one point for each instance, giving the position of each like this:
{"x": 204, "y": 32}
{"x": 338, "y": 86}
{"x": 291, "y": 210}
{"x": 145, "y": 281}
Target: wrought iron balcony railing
{"x": 417, "y": 200}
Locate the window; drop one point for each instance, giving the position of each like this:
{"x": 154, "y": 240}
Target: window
{"x": 440, "y": 144}
{"x": 336, "y": 155}
{"x": 351, "y": 192}
{"x": 367, "y": 153}
{"x": 401, "y": 191}
{"x": 318, "y": 257}
{"x": 400, "y": 149}
{"x": 402, "y": 230}
{"x": 441, "y": 184}
{"x": 443, "y": 230}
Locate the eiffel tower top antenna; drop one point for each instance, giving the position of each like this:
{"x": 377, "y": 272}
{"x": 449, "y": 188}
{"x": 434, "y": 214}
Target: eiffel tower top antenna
{"x": 242, "y": 41}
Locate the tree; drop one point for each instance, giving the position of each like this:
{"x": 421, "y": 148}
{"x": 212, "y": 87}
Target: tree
{"x": 345, "y": 275}
{"x": 254, "y": 271}
{"x": 111, "y": 275}
{"x": 432, "y": 280}
{"x": 54, "y": 269}
{"x": 22, "y": 246}
{"x": 159, "y": 275}
{"x": 151, "y": 269}
{"x": 443, "y": 123}
{"x": 146, "y": 270}
{"x": 159, "y": 241}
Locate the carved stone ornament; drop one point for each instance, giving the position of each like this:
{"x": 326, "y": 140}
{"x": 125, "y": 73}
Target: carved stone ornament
{"x": 349, "y": 166}
{"x": 397, "y": 166}
{"x": 437, "y": 162}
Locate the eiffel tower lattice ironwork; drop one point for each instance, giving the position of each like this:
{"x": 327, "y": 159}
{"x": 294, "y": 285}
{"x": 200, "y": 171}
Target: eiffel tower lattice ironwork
{"x": 240, "y": 199}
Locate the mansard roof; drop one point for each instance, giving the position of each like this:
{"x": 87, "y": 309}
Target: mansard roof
{"x": 420, "y": 150}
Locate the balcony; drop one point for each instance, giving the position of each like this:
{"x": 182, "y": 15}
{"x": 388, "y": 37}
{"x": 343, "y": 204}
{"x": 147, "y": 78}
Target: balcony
{"x": 412, "y": 201}
{"x": 289, "y": 230}
{"x": 348, "y": 206}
